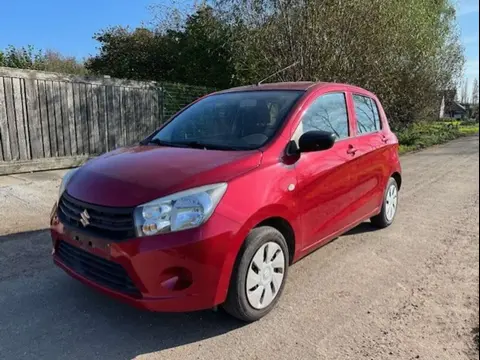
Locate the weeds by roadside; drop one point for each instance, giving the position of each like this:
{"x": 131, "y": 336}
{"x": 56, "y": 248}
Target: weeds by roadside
{"x": 423, "y": 135}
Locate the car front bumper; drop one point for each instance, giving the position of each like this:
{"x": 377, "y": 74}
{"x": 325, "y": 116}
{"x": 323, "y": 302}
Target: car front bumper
{"x": 183, "y": 271}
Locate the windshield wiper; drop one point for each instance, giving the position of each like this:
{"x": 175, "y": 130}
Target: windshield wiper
{"x": 194, "y": 145}
{"x": 199, "y": 145}
{"x": 161, "y": 143}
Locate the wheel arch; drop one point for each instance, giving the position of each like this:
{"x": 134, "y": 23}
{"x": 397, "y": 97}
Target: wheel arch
{"x": 398, "y": 178}
{"x": 279, "y": 217}
{"x": 284, "y": 227}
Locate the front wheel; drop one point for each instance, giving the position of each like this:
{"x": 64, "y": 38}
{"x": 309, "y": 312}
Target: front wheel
{"x": 389, "y": 206}
{"x": 259, "y": 275}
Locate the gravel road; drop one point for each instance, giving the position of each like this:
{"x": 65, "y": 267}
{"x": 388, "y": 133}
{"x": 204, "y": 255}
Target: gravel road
{"x": 407, "y": 292}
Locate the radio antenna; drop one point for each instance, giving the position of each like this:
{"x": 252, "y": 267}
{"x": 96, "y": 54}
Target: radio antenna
{"x": 278, "y": 72}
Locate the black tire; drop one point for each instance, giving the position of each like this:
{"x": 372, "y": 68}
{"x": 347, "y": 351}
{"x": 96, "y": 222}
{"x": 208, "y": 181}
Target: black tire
{"x": 237, "y": 303}
{"x": 381, "y": 220}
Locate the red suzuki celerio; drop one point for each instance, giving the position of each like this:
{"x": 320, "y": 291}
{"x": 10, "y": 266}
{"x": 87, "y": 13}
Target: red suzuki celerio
{"x": 213, "y": 207}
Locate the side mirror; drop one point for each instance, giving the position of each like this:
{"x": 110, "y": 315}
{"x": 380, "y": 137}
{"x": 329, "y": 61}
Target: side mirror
{"x": 316, "y": 141}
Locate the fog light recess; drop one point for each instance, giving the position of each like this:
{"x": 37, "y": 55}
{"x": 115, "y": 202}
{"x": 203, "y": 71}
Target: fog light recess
{"x": 176, "y": 279}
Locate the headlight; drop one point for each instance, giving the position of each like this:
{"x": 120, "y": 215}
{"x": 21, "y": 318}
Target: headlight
{"x": 66, "y": 178}
{"x": 183, "y": 210}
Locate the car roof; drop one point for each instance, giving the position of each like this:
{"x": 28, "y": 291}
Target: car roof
{"x": 297, "y": 85}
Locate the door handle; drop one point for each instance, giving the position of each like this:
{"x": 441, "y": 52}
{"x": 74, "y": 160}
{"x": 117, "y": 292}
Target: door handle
{"x": 351, "y": 150}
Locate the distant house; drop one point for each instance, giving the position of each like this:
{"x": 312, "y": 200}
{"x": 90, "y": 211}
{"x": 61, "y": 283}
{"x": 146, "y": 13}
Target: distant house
{"x": 456, "y": 111}
{"x": 449, "y": 107}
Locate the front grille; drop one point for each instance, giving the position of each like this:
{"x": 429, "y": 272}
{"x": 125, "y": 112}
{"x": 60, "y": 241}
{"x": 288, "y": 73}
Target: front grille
{"x": 106, "y": 222}
{"x": 97, "y": 269}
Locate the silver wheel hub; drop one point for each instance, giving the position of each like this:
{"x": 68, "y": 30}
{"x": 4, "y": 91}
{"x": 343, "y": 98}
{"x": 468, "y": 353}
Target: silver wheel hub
{"x": 391, "y": 202}
{"x": 265, "y": 275}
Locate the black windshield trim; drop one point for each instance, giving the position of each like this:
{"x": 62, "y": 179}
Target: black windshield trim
{"x": 196, "y": 145}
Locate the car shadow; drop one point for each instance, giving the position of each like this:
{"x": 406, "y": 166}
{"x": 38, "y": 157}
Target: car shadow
{"x": 51, "y": 315}
{"x": 54, "y": 316}
{"x": 364, "y": 227}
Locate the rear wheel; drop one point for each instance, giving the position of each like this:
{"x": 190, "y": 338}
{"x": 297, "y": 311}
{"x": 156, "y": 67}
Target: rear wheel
{"x": 259, "y": 275}
{"x": 389, "y": 206}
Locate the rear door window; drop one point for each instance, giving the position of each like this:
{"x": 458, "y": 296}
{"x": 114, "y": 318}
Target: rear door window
{"x": 368, "y": 118}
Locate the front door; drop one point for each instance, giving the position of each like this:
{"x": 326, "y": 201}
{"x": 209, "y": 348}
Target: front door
{"x": 324, "y": 187}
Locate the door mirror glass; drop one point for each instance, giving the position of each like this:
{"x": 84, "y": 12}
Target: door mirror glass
{"x": 316, "y": 140}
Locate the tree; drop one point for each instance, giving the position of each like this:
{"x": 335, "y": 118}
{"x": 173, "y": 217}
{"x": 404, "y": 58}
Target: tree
{"x": 21, "y": 58}
{"x": 30, "y": 58}
{"x": 406, "y": 52}
{"x": 464, "y": 93}
{"x": 56, "y": 62}
{"x": 194, "y": 52}
{"x": 128, "y": 54}
{"x": 475, "y": 92}
{"x": 204, "y": 56}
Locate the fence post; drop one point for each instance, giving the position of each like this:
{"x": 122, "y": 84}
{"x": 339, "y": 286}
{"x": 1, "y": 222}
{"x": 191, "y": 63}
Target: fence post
{"x": 162, "y": 103}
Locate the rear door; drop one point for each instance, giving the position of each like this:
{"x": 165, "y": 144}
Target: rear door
{"x": 370, "y": 168}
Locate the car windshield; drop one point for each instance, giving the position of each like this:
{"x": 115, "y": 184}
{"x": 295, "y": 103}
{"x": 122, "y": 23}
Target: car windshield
{"x": 229, "y": 121}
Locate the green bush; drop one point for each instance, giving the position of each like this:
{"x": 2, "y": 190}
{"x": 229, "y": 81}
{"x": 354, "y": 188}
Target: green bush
{"x": 408, "y": 137}
{"x": 422, "y": 135}
{"x": 469, "y": 122}
{"x": 447, "y": 119}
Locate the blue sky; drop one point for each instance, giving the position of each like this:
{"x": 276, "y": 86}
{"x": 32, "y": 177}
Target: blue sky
{"x": 68, "y": 25}
{"x": 467, "y": 11}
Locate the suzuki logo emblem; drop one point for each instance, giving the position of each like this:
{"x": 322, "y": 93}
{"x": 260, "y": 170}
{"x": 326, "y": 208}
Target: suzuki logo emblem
{"x": 84, "y": 218}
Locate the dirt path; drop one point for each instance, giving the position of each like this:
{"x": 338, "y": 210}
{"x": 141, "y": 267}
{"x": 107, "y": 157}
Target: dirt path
{"x": 407, "y": 292}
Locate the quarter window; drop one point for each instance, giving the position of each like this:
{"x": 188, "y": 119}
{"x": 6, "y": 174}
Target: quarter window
{"x": 327, "y": 113}
{"x": 368, "y": 119}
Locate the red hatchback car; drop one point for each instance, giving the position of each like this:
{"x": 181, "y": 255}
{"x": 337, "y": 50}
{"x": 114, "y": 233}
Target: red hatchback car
{"x": 213, "y": 207}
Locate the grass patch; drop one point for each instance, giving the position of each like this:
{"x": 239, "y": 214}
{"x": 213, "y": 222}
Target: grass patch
{"x": 467, "y": 130}
{"x": 423, "y": 135}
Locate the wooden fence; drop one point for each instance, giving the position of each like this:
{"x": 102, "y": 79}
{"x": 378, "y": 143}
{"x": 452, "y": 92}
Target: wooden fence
{"x": 50, "y": 120}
